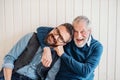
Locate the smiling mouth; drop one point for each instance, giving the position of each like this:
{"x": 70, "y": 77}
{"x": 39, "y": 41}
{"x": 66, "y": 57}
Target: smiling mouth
{"x": 79, "y": 40}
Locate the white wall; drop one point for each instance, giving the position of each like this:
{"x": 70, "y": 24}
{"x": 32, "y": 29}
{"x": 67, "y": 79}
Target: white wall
{"x": 18, "y": 17}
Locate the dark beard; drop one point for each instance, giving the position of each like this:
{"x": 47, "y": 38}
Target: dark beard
{"x": 51, "y": 45}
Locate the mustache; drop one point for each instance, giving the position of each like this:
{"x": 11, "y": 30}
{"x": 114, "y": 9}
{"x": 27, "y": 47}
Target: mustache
{"x": 54, "y": 40}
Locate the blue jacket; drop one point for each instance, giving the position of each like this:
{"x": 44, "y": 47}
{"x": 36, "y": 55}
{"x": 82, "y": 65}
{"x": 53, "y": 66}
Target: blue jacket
{"x": 79, "y": 63}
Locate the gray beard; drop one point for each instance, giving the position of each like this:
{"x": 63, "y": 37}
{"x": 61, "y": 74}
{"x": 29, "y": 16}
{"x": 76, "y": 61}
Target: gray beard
{"x": 80, "y": 46}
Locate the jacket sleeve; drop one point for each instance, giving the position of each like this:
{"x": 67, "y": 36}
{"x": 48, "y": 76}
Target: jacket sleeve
{"x": 84, "y": 69}
{"x": 17, "y": 49}
{"x": 42, "y": 32}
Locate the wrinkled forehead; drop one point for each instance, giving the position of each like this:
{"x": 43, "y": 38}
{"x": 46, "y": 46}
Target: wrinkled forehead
{"x": 80, "y": 26}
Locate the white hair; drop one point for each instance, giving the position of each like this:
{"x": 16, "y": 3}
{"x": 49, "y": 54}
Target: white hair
{"x": 82, "y": 18}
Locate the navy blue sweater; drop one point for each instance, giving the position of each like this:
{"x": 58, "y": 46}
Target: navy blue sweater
{"x": 78, "y": 63}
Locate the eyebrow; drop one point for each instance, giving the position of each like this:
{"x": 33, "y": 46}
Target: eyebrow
{"x": 60, "y": 35}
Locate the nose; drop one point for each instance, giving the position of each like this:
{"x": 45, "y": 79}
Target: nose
{"x": 56, "y": 37}
{"x": 79, "y": 35}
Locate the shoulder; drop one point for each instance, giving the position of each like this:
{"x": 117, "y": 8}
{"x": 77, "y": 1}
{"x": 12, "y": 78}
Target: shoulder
{"x": 71, "y": 44}
{"x": 27, "y": 36}
{"x": 96, "y": 44}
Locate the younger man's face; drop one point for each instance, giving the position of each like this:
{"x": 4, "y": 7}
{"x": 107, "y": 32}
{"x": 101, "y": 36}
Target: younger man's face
{"x": 58, "y": 36}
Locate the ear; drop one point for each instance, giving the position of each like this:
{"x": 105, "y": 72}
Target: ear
{"x": 90, "y": 30}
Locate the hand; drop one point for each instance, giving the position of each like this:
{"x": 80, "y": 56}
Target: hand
{"x": 59, "y": 50}
{"x": 7, "y": 73}
{"x": 46, "y": 57}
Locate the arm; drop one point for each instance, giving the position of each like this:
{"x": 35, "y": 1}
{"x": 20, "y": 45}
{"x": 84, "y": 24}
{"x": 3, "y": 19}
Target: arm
{"x": 13, "y": 55}
{"x": 83, "y": 69}
{"x": 7, "y": 73}
{"x": 46, "y": 57}
{"x": 42, "y": 32}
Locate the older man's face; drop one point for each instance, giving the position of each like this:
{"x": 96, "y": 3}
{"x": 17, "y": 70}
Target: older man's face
{"x": 58, "y": 36}
{"x": 81, "y": 33}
